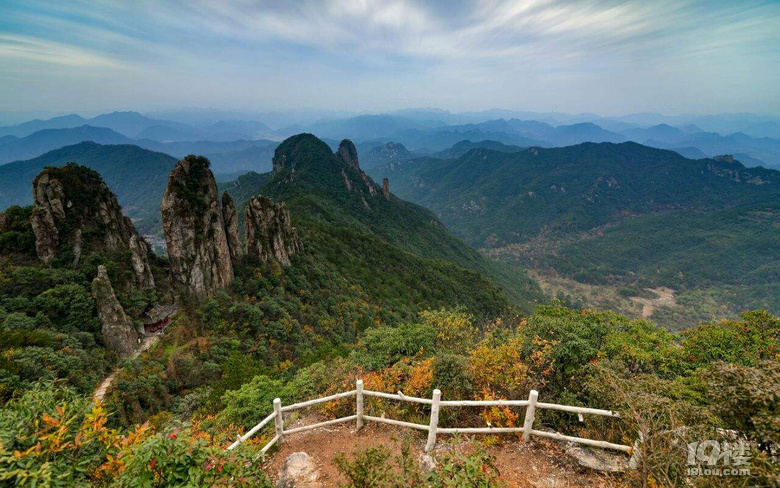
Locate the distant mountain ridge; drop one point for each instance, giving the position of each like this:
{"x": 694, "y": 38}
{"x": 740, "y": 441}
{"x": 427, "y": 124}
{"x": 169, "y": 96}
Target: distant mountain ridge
{"x": 427, "y": 131}
{"x": 46, "y": 140}
{"x": 137, "y": 176}
{"x": 229, "y": 156}
{"x": 137, "y": 126}
{"x": 614, "y": 214}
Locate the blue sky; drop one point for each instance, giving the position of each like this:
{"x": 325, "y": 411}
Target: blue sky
{"x": 598, "y": 56}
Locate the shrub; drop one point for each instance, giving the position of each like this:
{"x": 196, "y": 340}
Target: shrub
{"x": 252, "y": 402}
{"x": 454, "y": 329}
{"x": 452, "y": 375}
{"x": 178, "y": 458}
{"x": 376, "y": 467}
{"x": 747, "y": 399}
{"x": 383, "y": 346}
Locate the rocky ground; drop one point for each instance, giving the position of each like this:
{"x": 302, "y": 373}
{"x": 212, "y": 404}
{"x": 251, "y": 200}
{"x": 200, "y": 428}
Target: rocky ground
{"x": 541, "y": 464}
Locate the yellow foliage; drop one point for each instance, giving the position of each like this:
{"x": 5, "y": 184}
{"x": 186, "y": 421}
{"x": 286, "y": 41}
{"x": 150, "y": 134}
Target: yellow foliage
{"x": 454, "y": 328}
{"x": 502, "y": 369}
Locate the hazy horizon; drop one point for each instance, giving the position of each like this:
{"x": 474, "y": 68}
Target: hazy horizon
{"x": 604, "y": 57}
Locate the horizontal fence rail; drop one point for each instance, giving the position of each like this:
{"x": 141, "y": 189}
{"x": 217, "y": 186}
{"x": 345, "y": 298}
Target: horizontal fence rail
{"x": 531, "y": 405}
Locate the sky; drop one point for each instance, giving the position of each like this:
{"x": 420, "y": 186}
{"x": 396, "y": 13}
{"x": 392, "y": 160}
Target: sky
{"x": 600, "y": 56}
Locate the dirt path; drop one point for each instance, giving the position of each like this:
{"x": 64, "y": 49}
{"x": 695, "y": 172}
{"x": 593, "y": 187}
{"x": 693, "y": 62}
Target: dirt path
{"x": 101, "y": 390}
{"x": 664, "y": 298}
{"x": 539, "y": 465}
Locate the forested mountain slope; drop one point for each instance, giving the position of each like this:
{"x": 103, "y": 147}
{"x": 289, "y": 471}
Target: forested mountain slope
{"x": 322, "y": 190}
{"x": 619, "y": 214}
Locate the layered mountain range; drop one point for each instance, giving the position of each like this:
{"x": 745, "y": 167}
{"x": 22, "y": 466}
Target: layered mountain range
{"x": 241, "y": 145}
{"x": 614, "y": 215}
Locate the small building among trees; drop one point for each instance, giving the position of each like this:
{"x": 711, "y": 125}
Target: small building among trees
{"x": 158, "y": 317}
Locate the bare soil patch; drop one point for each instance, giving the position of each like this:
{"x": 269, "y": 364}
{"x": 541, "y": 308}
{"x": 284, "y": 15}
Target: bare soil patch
{"x": 541, "y": 464}
{"x": 664, "y": 298}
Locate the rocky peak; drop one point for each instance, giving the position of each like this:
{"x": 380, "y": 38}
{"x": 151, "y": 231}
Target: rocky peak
{"x": 195, "y": 231}
{"x": 117, "y": 328}
{"x": 724, "y": 158}
{"x": 230, "y": 217}
{"x": 269, "y": 231}
{"x": 279, "y": 162}
{"x": 386, "y": 188}
{"x": 75, "y": 214}
{"x": 348, "y": 153}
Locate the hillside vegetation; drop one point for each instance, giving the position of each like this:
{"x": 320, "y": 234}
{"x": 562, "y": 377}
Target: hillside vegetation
{"x": 614, "y": 214}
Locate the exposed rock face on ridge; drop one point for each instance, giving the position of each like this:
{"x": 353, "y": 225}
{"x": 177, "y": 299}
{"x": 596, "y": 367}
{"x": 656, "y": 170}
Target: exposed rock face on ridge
{"x": 230, "y": 217}
{"x": 386, "y": 188}
{"x": 75, "y": 214}
{"x": 194, "y": 229}
{"x": 269, "y": 232}
{"x": 348, "y": 153}
{"x": 117, "y": 329}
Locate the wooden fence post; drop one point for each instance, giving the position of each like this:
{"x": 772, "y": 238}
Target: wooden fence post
{"x": 359, "y": 411}
{"x": 434, "y": 421}
{"x": 279, "y": 420}
{"x": 530, "y": 413}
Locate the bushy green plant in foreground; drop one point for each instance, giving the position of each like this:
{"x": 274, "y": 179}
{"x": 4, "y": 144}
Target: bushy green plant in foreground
{"x": 376, "y": 467}
{"x": 50, "y": 436}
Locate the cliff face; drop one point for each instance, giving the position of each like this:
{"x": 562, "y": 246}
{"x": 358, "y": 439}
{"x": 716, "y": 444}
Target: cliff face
{"x": 75, "y": 214}
{"x": 230, "y": 217}
{"x": 269, "y": 232}
{"x": 117, "y": 329}
{"x": 348, "y": 153}
{"x": 386, "y": 188}
{"x": 194, "y": 228}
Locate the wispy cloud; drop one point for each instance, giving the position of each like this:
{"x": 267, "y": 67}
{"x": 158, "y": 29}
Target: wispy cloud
{"x": 521, "y": 53}
{"x": 36, "y": 50}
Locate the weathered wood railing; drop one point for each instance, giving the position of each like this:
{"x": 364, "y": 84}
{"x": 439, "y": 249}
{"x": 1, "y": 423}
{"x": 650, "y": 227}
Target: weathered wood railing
{"x": 432, "y": 428}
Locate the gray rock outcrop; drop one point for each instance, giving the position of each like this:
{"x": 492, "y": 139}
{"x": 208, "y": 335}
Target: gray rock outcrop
{"x": 230, "y": 217}
{"x": 117, "y": 329}
{"x": 348, "y": 153}
{"x": 194, "y": 229}
{"x": 386, "y": 188}
{"x": 76, "y": 214}
{"x": 269, "y": 231}
{"x": 599, "y": 460}
{"x": 299, "y": 471}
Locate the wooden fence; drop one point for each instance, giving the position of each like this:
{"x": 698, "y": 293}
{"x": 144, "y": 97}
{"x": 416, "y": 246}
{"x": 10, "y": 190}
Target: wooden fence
{"x": 432, "y": 428}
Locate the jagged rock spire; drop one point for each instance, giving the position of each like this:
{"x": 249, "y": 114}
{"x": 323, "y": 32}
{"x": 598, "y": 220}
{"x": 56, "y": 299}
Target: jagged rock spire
{"x": 194, "y": 228}
{"x": 348, "y": 153}
{"x": 269, "y": 231}
{"x": 230, "y": 217}
{"x": 76, "y": 214}
{"x": 117, "y": 328}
